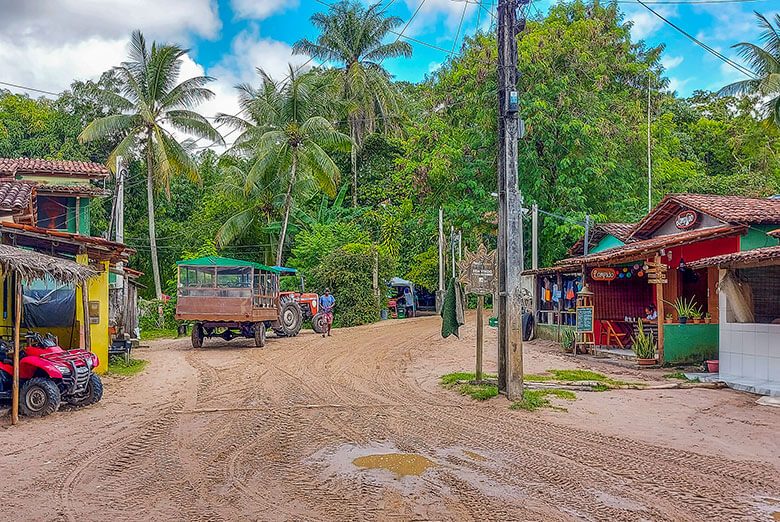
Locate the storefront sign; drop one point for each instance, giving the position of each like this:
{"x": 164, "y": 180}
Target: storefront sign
{"x": 477, "y": 271}
{"x": 603, "y": 274}
{"x": 686, "y": 219}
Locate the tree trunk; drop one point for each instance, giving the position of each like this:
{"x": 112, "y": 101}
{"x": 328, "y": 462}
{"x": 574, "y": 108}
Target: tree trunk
{"x": 150, "y": 207}
{"x": 287, "y": 204}
{"x": 353, "y": 158}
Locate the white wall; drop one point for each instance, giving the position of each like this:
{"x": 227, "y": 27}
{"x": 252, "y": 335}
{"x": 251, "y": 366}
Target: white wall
{"x": 748, "y": 352}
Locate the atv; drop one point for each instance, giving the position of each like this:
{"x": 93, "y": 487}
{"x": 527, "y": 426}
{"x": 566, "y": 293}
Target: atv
{"x": 49, "y": 375}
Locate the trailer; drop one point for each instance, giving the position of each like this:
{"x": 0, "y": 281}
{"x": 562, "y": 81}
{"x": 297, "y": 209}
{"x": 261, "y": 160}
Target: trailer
{"x": 229, "y": 298}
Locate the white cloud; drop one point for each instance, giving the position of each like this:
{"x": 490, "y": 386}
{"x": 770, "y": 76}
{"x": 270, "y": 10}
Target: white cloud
{"x": 670, "y": 62}
{"x": 646, "y": 23}
{"x": 433, "y": 66}
{"x": 677, "y": 84}
{"x": 260, "y": 9}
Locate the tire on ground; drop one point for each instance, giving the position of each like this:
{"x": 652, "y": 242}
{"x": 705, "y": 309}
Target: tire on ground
{"x": 93, "y": 393}
{"x": 197, "y": 335}
{"x": 318, "y": 323}
{"x": 260, "y": 334}
{"x": 39, "y": 397}
{"x": 290, "y": 317}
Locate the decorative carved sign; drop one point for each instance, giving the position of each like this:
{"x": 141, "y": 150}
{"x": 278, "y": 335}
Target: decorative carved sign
{"x": 477, "y": 271}
{"x": 686, "y": 219}
{"x": 603, "y": 274}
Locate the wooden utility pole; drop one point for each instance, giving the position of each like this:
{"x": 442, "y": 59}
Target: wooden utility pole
{"x": 510, "y": 309}
{"x": 440, "y": 291}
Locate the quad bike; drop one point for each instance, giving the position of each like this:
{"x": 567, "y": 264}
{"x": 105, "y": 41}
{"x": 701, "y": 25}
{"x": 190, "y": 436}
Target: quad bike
{"x": 49, "y": 375}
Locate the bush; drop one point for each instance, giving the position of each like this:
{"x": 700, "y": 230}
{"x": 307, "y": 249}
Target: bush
{"x": 149, "y": 317}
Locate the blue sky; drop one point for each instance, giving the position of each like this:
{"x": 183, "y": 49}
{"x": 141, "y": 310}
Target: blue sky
{"x": 47, "y": 43}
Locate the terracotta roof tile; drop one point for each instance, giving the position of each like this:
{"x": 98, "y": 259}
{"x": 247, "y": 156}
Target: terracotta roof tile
{"x": 15, "y": 196}
{"x": 11, "y": 167}
{"x": 85, "y": 190}
{"x": 765, "y": 255}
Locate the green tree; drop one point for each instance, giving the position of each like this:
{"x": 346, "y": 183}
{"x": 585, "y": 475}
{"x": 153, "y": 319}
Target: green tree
{"x": 765, "y": 64}
{"x": 285, "y": 135}
{"x": 152, "y": 103}
{"x": 354, "y": 37}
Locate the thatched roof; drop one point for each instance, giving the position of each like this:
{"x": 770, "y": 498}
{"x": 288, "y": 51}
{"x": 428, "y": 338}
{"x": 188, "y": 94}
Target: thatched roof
{"x": 34, "y": 265}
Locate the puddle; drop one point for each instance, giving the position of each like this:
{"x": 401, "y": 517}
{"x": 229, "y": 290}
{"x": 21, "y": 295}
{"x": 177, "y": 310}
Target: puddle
{"x": 769, "y": 500}
{"x": 475, "y": 456}
{"x": 402, "y": 464}
{"x": 776, "y": 515}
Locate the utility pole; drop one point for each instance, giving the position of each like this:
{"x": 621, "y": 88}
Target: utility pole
{"x": 440, "y": 291}
{"x": 535, "y": 236}
{"x": 452, "y": 248}
{"x": 121, "y": 174}
{"x": 649, "y": 156}
{"x": 510, "y": 310}
{"x": 587, "y": 234}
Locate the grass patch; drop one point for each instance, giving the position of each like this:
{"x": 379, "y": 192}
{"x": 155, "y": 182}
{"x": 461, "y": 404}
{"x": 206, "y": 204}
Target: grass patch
{"x": 117, "y": 365}
{"x": 536, "y": 399}
{"x": 152, "y": 335}
{"x": 681, "y": 376}
{"x": 479, "y": 392}
{"x": 580, "y": 375}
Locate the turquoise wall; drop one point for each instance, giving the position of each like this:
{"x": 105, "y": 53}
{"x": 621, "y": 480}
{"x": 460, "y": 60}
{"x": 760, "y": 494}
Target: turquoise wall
{"x": 690, "y": 342}
{"x": 608, "y": 242}
{"x": 756, "y": 237}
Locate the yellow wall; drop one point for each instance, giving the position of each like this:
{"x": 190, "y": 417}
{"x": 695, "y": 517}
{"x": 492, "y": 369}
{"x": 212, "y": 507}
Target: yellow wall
{"x": 97, "y": 290}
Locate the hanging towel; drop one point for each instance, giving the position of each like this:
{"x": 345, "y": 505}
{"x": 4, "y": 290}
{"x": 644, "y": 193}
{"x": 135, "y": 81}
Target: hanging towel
{"x": 570, "y": 290}
{"x": 452, "y": 312}
{"x": 556, "y": 293}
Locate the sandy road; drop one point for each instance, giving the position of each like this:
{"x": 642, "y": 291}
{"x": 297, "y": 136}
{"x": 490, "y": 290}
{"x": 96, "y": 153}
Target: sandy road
{"x": 233, "y": 432}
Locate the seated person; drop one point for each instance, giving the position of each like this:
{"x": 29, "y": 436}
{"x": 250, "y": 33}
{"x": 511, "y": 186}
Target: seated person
{"x": 651, "y": 313}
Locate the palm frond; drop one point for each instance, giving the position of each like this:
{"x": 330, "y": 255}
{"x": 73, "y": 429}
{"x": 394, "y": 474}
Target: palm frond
{"x": 109, "y": 126}
{"x": 194, "y": 124}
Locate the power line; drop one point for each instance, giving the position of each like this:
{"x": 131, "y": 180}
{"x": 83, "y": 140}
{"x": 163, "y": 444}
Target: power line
{"x": 42, "y": 91}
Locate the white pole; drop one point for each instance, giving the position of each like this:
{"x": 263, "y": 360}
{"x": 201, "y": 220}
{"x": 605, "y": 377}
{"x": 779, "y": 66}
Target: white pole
{"x": 649, "y": 156}
{"x": 535, "y": 237}
{"x": 121, "y": 173}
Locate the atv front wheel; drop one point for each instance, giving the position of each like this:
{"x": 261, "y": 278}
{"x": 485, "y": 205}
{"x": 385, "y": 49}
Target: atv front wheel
{"x": 260, "y": 334}
{"x": 92, "y": 394}
{"x": 290, "y": 317}
{"x": 197, "y": 335}
{"x": 318, "y": 323}
{"x": 39, "y": 397}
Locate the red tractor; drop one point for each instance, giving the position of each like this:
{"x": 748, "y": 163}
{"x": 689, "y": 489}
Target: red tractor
{"x": 49, "y": 375}
{"x": 309, "y": 302}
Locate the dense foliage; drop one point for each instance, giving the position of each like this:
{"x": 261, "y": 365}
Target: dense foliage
{"x": 583, "y": 95}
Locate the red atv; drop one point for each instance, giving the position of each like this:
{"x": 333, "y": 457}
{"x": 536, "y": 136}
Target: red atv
{"x": 49, "y": 375}
{"x": 308, "y": 302}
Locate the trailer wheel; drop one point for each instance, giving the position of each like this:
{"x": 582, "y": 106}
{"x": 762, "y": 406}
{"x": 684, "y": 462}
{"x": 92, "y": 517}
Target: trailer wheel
{"x": 290, "y": 317}
{"x": 318, "y": 323}
{"x": 197, "y": 335}
{"x": 260, "y": 334}
{"x": 39, "y": 397}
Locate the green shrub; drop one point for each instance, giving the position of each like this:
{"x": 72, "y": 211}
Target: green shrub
{"x": 149, "y": 317}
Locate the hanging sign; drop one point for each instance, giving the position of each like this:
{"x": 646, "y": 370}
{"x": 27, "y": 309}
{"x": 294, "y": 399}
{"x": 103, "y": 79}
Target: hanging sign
{"x": 686, "y": 219}
{"x": 477, "y": 271}
{"x": 603, "y": 274}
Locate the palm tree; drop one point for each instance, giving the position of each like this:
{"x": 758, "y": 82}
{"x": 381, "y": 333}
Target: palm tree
{"x": 765, "y": 64}
{"x": 352, "y": 36}
{"x": 284, "y": 135}
{"x": 152, "y": 104}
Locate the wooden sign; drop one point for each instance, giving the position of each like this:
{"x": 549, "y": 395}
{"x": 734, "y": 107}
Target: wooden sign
{"x": 686, "y": 219}
{"x": 478, "y": 271}
{"x": 603, "y": 274}
{"x": 585, "y": 319}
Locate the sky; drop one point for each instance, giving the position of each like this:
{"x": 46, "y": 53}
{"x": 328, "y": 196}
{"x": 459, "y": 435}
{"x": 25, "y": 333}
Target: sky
{"x": 46, "y": 44}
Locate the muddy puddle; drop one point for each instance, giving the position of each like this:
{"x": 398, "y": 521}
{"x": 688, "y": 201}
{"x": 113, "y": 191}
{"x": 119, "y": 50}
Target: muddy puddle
{"x": 402, "y": 464}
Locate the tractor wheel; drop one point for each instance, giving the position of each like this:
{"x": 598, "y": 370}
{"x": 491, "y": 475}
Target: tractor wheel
{"x": 197, "y": 335}
{"x": 318, "y": 323}
{"x": 39, "y": 397}
{"x": 290, "y": 317}
{"x": 92, "y": 394}
{"x": 260, "y": 334}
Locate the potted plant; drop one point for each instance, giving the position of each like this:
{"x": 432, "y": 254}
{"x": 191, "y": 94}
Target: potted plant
{"x": 644, "y": 347}
{"x": 669, "y": 319}
{"x": 708, "y": 318}
{"x": 685, "y": 308}
{"x": 696, "y": 314}
{"x": 568, "y": 340}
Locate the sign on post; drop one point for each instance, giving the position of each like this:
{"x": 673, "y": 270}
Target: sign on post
{"x": 477, "y": 271}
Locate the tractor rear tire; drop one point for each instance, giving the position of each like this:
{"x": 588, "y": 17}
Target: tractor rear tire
{"x": 197, "y": 335}
{"x": 290, "y": 317}
{"x": 318, "y": 324}
{"x": 260, "y": 334}
{"x": 39, "y": 397}
{"x": 93, "y": 393}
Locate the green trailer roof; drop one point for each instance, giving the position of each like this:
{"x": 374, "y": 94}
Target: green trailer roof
{"x": 224, "y": 261}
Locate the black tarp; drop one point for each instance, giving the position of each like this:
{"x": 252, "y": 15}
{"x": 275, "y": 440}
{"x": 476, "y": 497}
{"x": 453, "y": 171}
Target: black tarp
{"x": 49, "y": 308}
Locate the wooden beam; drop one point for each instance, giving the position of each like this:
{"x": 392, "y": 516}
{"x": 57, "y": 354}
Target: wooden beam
{"x": 480, "y": 336}
{"x": 659, "y": 298}
{"x": 559, "y": 281}
{"x": 17, "y": 325}
{"x": 87, "y": 337}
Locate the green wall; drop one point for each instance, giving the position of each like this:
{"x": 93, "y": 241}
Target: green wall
{"x": 756, "y": 237}
{"x": 690, "y": 342}
{"x": 608, "y": 242}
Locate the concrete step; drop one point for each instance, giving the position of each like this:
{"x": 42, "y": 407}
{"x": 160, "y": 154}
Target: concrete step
{"x": 625, "y": 354}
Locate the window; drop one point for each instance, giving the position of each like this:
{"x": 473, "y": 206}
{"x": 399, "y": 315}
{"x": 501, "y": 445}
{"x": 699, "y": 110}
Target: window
{"x": 52, "y": 212}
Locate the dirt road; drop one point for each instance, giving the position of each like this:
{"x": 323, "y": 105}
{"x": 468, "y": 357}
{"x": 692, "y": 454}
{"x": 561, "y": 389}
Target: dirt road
{"x": 233, "y": 432}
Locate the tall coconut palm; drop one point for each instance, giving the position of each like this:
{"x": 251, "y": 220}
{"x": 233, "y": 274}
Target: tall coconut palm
{"x": 352, "y": 36}
{"x": 153, "y": 104}
{"x": 765, "y": 64}
{"x": 284, "y": 134}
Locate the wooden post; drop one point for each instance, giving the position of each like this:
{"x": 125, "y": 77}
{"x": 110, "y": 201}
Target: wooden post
{"x": 77, "y": 214}
{"x": 559, "y": 281}
{"x": 87, "y": 339}
{"x": 659, "y": 298}
{"x": 480, "y": 335}
{"x": 17, "y": 347}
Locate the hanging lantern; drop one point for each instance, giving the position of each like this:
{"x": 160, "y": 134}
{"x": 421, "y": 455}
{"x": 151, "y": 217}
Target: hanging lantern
{"x": 640, "y": 273}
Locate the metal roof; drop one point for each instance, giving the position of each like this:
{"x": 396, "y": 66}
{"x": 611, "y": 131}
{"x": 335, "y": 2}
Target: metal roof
{"x": 226, "y": 261}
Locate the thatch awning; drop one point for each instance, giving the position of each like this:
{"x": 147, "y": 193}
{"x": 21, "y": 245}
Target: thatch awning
{"x": 34, "y": 265}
